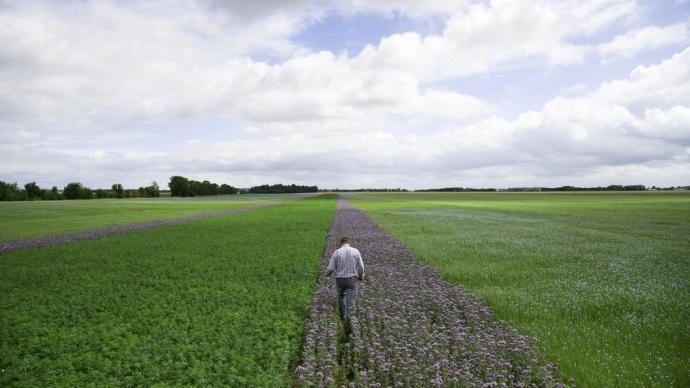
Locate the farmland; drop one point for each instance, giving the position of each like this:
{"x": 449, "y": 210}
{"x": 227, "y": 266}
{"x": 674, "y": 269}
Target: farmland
{"x": 411, "y": 328}
{"x": 38, "y": 218}
{"x": 218, "y": 301}
{"x": 600, "y": 279}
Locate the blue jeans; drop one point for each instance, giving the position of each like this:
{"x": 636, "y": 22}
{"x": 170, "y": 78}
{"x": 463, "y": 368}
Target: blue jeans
{"x": 347, "y": 295}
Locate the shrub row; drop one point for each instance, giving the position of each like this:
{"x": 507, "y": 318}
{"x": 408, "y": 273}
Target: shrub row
{"x": 74, "y": 190}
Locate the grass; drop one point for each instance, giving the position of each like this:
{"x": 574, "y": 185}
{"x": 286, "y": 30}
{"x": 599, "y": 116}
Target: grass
{"x": 218, "y": 301}
{"x": 601, "y": 279}
{"x": 25, "y": 219}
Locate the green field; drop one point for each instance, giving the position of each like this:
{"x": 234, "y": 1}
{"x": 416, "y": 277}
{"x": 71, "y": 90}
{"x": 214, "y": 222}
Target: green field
{"x": 602, "y": 279}
{"x": 217, "y": 301}
{"x": 24, "y": 219}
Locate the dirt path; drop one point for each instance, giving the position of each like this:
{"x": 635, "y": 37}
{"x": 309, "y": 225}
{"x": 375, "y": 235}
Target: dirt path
{"x": 412, "y": 328}
{"x": 13, "y": 245}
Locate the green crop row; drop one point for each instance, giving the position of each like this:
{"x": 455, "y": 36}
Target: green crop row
{"x": 218, "y": 301}
{"x": 38, "y": 218}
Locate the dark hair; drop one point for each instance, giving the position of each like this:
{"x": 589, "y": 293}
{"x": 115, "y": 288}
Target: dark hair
{"x": 344, "y": 240}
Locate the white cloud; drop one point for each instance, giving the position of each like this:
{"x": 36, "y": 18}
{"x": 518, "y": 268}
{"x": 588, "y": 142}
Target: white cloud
{"x": 85, "y": 80}
{"x": 671, "y": 124}
{"x": 489, "y": 36}
{"x": 632, "y": 43}
{"x": 413, "y": 8}
{"x": 664, "y": 85}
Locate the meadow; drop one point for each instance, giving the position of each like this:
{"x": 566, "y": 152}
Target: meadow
{"x": 600, "y": 279}
{"x": 216, "y": 301}
{"x": 24, "y": 219}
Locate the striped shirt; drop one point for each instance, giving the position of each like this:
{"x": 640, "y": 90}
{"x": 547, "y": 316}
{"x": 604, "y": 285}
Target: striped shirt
{"x": 346, "y": 262}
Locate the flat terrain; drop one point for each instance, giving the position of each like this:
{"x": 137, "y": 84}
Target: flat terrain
{"x": 217, "y": 301}
{"x": 24, "y": 219}
{"x": 601, "y": 279}
{"x": 411, "y": 328}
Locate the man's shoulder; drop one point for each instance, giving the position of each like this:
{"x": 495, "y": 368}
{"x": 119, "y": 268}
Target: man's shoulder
{"x": 353, "y": 249}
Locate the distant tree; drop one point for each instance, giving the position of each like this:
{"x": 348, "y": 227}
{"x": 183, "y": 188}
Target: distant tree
{"x": 51, "y": 194}
{"x": 615, "y": 188}
{"x": 195, "y": 188}
{"x": 86, "y": 193}
{"x": 280, "y": 188}
{"x": 208, "y": 188}
{"x": 155, "y": 189}
{"x": 100, "y": 193}
{"x": 179, "y": 186}
{"x": 118, "y": 190}
{"x": 152, "y": 191}
{"x": 226, "y": 189}
{"x": 9, "y": 191}
{"x": 183, "y": 187}
{"x": 33, "y": 192}
{"x": 635, "y": 187}
{"x": 72, "y": 190}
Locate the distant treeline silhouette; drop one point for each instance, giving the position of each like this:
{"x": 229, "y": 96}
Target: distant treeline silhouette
{"x": 575, "y": 188}
{"x": 183, "y": 187}
{"x": 281, "y": 189}
{"x": 74, "y": 190}
{"x": 179, "y": 187}
{"x": 561, "y": 188}
{"x": 457, "y": 189}
{"x": 395, "y": 190}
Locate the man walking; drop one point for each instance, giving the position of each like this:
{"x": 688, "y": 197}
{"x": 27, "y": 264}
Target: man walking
{"x": 346, "y": 263}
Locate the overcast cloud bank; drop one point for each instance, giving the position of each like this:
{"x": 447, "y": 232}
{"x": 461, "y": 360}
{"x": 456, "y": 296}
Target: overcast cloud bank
{"x": 221, "y": 90}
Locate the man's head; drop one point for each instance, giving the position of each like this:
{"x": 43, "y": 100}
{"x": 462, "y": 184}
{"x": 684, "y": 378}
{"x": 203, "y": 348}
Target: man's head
{"x": 344, "y": 240}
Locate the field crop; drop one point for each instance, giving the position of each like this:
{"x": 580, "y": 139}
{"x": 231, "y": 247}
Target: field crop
{"x": 25, "y": 219}
{"x": 218, "y": 301}
{"x": 411, "y": 328}
{"x": 601, "y": 279}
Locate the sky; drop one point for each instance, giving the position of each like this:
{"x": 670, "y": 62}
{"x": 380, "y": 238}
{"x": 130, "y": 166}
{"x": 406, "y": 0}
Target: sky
{"x": 347, "y": 93}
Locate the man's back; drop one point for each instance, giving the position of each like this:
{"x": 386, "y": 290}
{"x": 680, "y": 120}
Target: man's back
{"x": 346, "y": 262}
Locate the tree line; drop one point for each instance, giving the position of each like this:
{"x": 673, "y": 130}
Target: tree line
{"x": 575, "y": 188}
{"x": 384, "y": 190}
{"x": 179, "y": 187}
{"x": 281, "y": 189}
{"x": 74, "y": 190}
{"x": 458, "y": 189}
{"x": 560, "y": 188}
{"x": 183, "y": 187}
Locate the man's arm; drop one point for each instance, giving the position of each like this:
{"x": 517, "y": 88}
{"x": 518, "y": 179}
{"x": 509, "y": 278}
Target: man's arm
{"x": 360, "y": 266}
{"x": 331, "y": 265}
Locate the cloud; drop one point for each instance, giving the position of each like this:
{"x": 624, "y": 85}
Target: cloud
{"x": 632, "y": 43}
{"x": 637, "y": 120}
{"x": 411, "y": 8}
{"x": 501, "y": 34}
{"x": 112, "y": 90}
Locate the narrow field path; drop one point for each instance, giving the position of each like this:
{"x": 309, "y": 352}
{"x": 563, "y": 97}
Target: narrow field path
{"x": 411, "y": 328}
{"x": 8, "y": 246}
